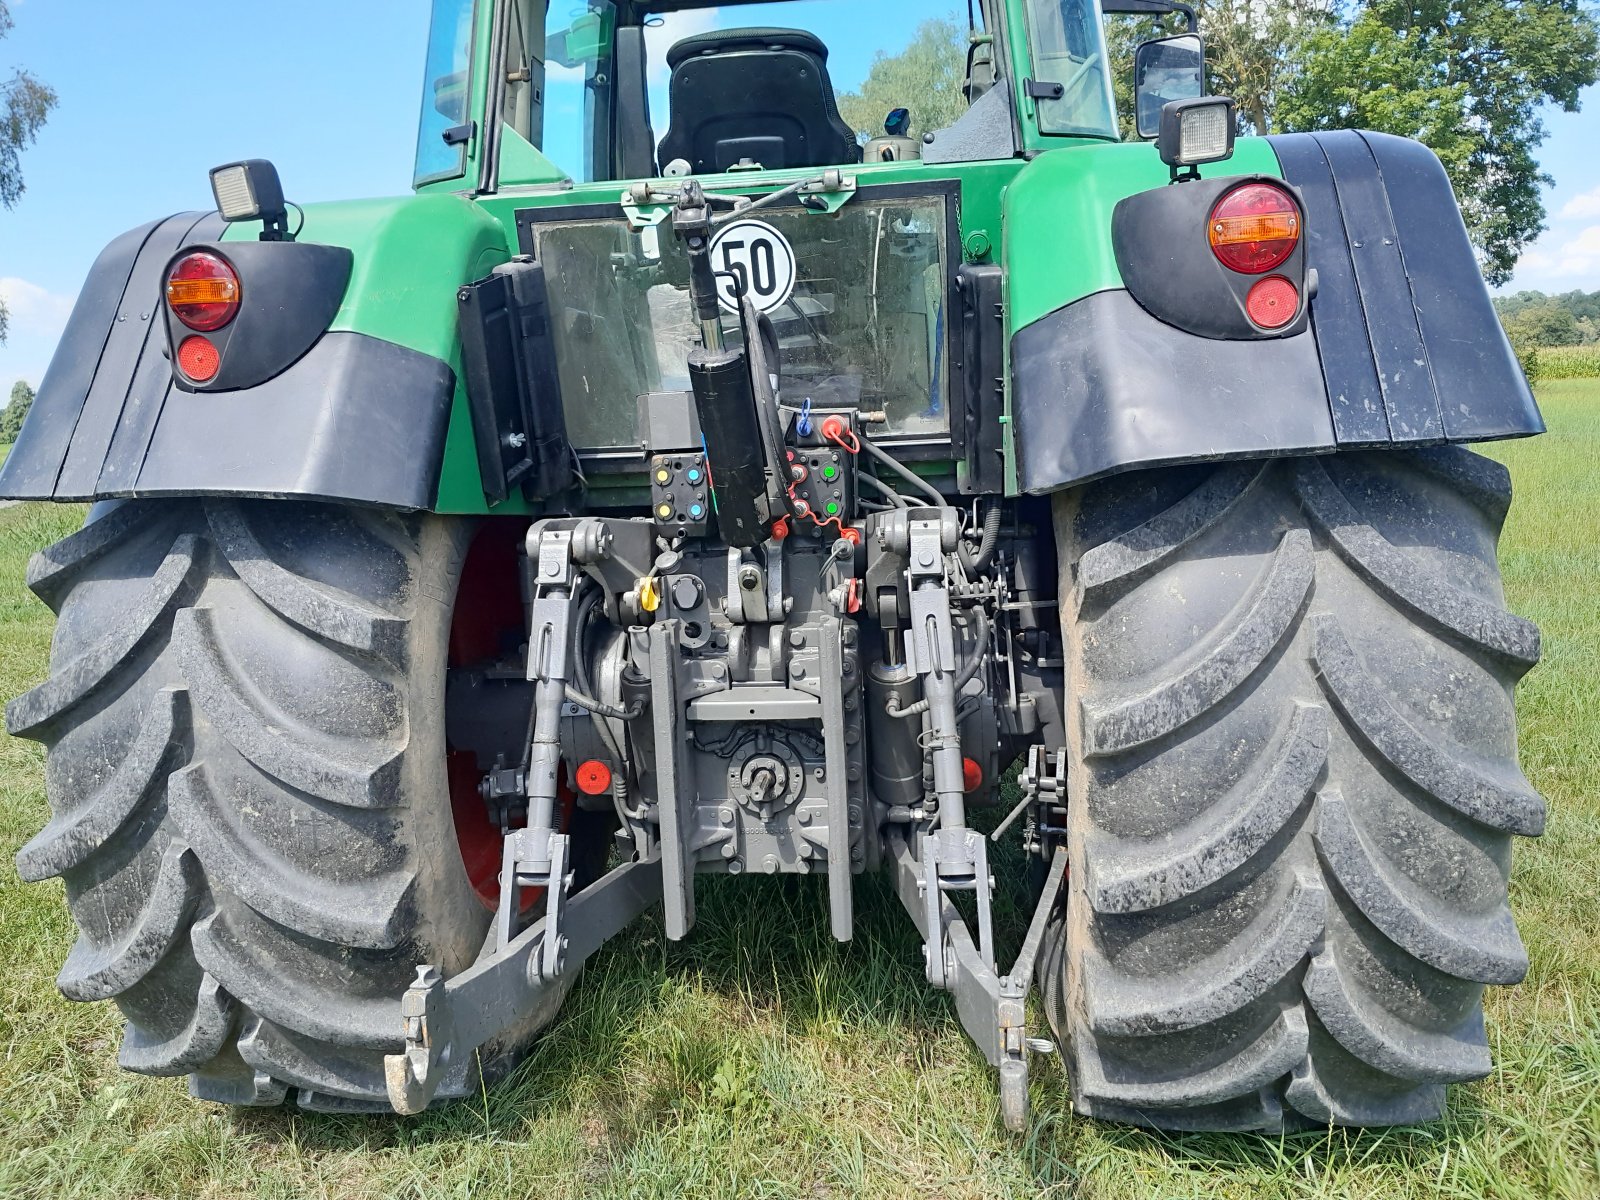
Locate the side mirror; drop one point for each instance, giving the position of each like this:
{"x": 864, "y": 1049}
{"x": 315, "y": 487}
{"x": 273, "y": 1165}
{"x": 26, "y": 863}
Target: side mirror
{"x": 1164, "y": 70}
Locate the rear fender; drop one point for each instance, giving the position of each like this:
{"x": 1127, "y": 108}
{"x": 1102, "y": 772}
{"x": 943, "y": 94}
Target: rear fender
{"x": 360, "y": 414}
{"x": 1402, "y": 348}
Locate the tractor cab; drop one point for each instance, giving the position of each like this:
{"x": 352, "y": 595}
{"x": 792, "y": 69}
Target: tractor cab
{"x": 642, "y": 89}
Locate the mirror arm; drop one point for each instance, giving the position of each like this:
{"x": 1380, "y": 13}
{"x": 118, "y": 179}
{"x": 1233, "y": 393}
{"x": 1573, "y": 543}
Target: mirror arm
{"x": 1155, "y": 8}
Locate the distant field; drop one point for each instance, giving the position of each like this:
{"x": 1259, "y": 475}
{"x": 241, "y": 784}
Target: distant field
{"x": 758, "y": 1059}
{"x": 1569, "y": 362}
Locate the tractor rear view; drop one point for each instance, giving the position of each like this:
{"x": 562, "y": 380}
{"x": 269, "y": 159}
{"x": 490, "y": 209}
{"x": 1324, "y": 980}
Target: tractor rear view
{"x": 686, "y": 482}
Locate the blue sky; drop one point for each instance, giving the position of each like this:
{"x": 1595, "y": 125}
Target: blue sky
{"x": 155, "y": 92}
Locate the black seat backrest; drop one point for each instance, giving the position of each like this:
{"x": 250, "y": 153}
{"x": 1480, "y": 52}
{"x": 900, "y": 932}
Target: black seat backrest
{"x": 761, "y": 95}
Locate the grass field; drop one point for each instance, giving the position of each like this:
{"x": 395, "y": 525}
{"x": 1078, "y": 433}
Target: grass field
{"x": 758, "y": 1059}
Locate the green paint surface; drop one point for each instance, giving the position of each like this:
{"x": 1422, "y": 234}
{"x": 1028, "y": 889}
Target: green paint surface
{"x": 412, "y": 253}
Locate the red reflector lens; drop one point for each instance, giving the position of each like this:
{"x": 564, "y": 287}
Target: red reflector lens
{"x": 1254, "y": 228}
{"x": 203, "y": 291}
{"x": 198, "y": 359}
{"x": 594, "y": 778}
{"x": 971, "y": 775}
{"x": 1273, "y": 302}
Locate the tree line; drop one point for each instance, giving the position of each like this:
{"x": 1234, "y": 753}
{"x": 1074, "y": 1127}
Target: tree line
{"x": 1567, "y": 319}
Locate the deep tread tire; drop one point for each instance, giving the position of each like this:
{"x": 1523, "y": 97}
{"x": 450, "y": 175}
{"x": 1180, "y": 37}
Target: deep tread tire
{"x": 1293, "y": 786}
{"x": 246, "y": 770}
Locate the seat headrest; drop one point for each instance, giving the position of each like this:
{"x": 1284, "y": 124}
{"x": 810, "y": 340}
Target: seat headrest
{"x": 723, "y": 41}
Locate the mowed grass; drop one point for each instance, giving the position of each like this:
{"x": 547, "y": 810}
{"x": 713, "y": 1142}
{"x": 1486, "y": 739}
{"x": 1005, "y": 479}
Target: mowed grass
{"x": 758, "y": 1059}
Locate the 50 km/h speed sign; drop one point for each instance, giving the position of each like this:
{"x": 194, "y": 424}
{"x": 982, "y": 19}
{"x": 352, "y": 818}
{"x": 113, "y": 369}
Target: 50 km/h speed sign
{"x": 754, "y": 258}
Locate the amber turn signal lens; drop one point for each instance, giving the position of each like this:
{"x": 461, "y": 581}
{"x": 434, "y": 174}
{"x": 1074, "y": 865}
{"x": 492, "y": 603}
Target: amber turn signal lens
{"x": 1254, "y": 228}
{"x": 1273, "y": 302}
{"x": 203, "y": 291}
{"x": 198, "y": 359}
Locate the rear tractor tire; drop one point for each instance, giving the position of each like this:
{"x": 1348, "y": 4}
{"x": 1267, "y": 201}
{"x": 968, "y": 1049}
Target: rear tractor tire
{"x": 247, "y": 772}
{"x": 1293, "y": 788}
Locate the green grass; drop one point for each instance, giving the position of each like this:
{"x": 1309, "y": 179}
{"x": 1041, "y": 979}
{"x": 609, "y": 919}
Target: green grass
{"x": 758, "y": 1059}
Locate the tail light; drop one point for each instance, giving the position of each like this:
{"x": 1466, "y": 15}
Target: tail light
{"x": 203, "y": 291}
{"x": 1255, "y": 228}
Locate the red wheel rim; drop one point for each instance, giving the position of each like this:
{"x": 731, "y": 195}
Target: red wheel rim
{"x": 487, "y": 623}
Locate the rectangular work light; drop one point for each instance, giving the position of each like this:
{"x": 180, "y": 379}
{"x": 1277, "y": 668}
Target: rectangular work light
{"x": 251, "y": 191}
{"x": 1196, "y": 131}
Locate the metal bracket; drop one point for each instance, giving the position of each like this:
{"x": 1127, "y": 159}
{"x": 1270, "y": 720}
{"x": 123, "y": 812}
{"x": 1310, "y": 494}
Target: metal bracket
{"x": 443, "y": 1022}
{"x": 830, "y": 195}
{"x": 534, "y": 858}
{"x": 645, "y": 207}
{"x": 1044, "y": 792}
{"x": 992, "y": 1008}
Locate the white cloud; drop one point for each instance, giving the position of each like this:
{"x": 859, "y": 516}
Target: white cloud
{"x": 33, "y": 309}
{"x": 1562, "y": 262}
{"x": 1585, "y": 206}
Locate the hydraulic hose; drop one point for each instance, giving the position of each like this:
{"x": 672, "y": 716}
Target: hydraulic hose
{"x": 883, "y": 489}
{"x": 977, "y": 564}
{"x": 906, "y": 473}
{"x": 963, "y": 676}
{"x": 590, "y": 704}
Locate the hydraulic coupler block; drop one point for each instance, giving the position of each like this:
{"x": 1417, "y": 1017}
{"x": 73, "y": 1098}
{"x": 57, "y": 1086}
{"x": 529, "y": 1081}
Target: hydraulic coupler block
{"x": 680, "y": 494}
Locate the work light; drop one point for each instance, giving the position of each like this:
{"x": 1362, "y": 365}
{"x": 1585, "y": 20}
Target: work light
{"x": 1196, "y": 131}
{"x": 250, "y": 191}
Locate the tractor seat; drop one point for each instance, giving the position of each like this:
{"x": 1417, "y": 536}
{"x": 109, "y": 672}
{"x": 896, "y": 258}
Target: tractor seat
{"x": 754, "y": 96}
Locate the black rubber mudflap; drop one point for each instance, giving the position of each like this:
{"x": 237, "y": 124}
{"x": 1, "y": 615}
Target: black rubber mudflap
{"x": 1293, "y": 789}
{"x": 247, "y": 770}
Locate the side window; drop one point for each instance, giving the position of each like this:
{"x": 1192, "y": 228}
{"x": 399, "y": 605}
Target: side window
{"x": 1069, "y": 51}
{"x": 446, "y": 92}
{"x": 579, "y": 45}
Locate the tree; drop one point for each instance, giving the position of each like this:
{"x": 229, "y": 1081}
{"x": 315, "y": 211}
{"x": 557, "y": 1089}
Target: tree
{"x": 11, "y": 419}
{"x": 1467, "y": 77}
{"x": 1547, "y": 324}
{"x": 1250, "y": 51}
{"x": 24, "y": 105}
{"x": 925, "y": 77}
{"x": 1252, "y": 48}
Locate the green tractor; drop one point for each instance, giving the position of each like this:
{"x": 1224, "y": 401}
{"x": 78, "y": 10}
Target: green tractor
{"x": 686, "y": 482}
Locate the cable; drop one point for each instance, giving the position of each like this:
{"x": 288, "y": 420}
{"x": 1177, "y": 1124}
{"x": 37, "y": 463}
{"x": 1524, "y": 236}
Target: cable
{"x": 590, "y": 704}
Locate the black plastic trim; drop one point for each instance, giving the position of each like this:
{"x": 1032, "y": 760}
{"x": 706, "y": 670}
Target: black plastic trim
{"x": 509, "y": 363}
{"x": 289, "y": 294}
{"x": 1411, "y": 349}
{"x": 1102, "y": 386}
{"x": 981, "y": 369}
{"x": 358, "y": 419}
{"x": 1167, "y": 264}
{"x": 354, "y": 419}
